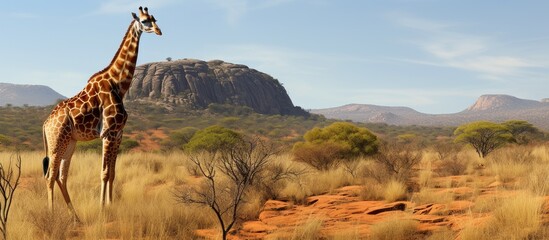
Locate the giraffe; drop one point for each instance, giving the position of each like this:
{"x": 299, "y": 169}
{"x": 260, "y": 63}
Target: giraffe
{"x": 96, "y": 111}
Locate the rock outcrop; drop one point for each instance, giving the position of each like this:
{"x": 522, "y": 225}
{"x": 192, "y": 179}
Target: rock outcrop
{"x": 197, "y": 84}
{"x": 26, "y": 94}
{"x": 499, "y": 102}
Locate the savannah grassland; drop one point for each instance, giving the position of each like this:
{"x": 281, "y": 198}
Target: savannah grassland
{"x": 448, "y": 193}
{"x": 504, "y": 197}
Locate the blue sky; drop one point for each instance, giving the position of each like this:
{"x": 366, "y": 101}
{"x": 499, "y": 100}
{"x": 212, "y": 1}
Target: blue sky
{"x": 436, "y": 56}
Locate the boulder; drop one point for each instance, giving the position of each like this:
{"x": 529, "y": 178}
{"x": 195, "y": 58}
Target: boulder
{"x": 197, "y": 84}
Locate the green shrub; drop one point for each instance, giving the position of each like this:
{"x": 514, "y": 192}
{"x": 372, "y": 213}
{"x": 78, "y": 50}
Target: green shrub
{"x": 325, "y": 147}
{"x": 212, "y": 139}
{"x": 178, "y": 138}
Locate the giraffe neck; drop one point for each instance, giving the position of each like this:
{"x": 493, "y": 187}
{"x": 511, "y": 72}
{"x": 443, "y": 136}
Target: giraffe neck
{"x": 123, "y": 64}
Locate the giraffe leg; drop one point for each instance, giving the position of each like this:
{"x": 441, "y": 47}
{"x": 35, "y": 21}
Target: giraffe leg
{"x": 50, "y": 181}
{"x": 110, "y": 149}
{"x": 59, "y": 146}
{"x": 111, "y": 179}
{"x": 63, "y": 175}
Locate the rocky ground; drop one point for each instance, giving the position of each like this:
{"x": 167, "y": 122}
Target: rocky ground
{"x": 343, "y": 212}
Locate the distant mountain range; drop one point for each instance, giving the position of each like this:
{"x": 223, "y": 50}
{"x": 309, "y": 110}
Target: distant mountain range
{"x": 24, "y": 94}
{"x": 495, "y": 108}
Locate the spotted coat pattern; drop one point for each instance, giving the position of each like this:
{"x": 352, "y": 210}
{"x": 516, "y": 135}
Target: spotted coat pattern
{"x": 96, "y": 111}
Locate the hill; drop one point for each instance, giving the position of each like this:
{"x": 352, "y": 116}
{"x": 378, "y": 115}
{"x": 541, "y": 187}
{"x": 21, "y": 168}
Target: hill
{"x": 25, "y": 94}
{"x": 196, "y": 84}
{"x": 370, "y": 113}
{"x": 496, "y": 108}
{"x": 502, "y": 103}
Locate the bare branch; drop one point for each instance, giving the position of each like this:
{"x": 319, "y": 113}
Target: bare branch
{"x": 8, "y": 185}
{"x": 239, "y": 165}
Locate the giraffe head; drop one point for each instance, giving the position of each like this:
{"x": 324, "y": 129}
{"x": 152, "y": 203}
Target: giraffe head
{"x": 146, "y": 22}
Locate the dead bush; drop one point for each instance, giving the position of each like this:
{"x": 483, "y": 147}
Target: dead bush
{"x": 452, "y": 165}
{"x": 399, "y": 160}
{"x": 323, "y": 156}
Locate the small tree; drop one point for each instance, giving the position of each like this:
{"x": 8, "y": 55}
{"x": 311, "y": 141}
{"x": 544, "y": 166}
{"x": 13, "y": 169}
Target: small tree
{"x": 520, "y": 130}
{"x": 8, "y": 184}
{"x": 484, "y": 136}
{"x": 325, "y": 147}
{"x": 239, "y": 164}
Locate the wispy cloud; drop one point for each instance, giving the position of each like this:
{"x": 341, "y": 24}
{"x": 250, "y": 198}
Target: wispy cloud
{"x": 275, "y": 59}
{"x": 417, "y": 23}
{"x": 449, "y": 47}
{"x": 121, "y": 6}
{"x": 236, "y": 9}
{"x": 306, "y": 75}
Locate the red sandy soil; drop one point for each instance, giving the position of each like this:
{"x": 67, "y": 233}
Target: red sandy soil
{"x": 150, "y": 141}
{"x": 344, "y": 211}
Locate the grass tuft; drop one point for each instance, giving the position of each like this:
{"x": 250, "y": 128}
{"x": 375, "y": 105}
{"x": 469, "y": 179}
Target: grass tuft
{"x": 395, "y": 191}
{"x": 394, "y": 228}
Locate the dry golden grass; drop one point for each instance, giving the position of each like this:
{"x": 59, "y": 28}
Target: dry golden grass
{"x": 309, "y": 230}
{"x": 425, "y": 178}
{"x": 348, "y": 234}
{"x": 394, "y": 228}
{"x": 516, "y": 217}
{"x": 536, "y": 181}
{"x": 145, "y": 208}
{"x": 372, "y": 191}
{"x": 508, "y": 170}
{"x": 486, "y": 204}
{"x": 394, "y": 191}
{"x": 443, "y": 234}
{"x": 313, "y": 182}
{"x": 425, "y": 196}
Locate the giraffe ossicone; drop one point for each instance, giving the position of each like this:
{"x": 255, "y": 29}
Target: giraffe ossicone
{"x": 96, "y": 111}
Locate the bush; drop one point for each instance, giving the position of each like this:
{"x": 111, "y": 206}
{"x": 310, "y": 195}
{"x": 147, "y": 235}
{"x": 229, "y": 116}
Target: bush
{"x": 323, "y": 156}
{"x": 453, "y": 166}
{"x": 212, "y": 139}
{"x": 178, "y": 138}
{"x": 399, "y": 160}
{"x": 95, "y": 145}
{"x": 325, "y": 147}
{"x": 5, "y": 140}
{"x": 127, "y": 145}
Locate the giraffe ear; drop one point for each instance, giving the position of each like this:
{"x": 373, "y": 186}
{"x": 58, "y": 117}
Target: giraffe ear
{"x": 135, "y": 16}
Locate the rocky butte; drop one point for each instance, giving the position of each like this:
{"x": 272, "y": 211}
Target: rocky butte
{"x": 196, "y": 84}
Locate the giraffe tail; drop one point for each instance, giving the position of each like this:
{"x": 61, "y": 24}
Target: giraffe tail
{"x": 45, "y": 165}
{"x": 46, "y": 161}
